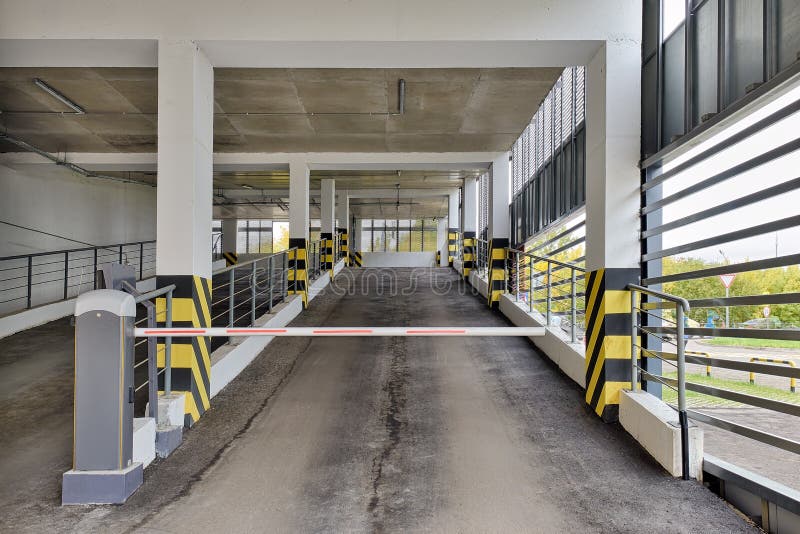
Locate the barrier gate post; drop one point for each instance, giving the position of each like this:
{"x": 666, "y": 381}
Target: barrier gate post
{"x": 103, "y": 471}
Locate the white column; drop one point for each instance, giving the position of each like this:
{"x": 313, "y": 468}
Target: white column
{"x": 298, "y": 199}
{"x": 612, "y": 155}
{"x": 356, "y": 239}
{"x": 327, "y": 202}
{"x": 453, "y": 215}
{"x": 229, "y": 234}
{"x": 469, "y": 206}
{"x": 343, "y": 211}
{"x": 441, "y": 240}
{"x": 185, "y": 159}
{"x": 499, "y": 198}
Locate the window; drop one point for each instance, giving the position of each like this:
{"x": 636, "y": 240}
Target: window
{"x": 398, "y": 235}
{"x": 549, "y": 181}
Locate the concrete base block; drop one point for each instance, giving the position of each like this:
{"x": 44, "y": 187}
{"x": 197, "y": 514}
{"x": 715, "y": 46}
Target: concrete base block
{"x": 101, "y": 487}
{"x": 144, "y": 440}
{"x": 171, "y": 409}
{"x": 168, "y": 438}
{"x": 655, "y": 426}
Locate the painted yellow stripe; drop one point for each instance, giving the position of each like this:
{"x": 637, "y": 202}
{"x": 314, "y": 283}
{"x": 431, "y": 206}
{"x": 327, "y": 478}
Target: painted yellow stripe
{"x": 190, "y": 406}
{"x": 612, "y": 348}
{"x": 617, "y": 301}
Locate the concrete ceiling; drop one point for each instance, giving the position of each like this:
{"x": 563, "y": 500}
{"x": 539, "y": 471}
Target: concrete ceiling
{"x": 282, "y": 110}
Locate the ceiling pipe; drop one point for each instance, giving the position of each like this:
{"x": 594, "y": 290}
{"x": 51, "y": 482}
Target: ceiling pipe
{"x": 63, "y": 163}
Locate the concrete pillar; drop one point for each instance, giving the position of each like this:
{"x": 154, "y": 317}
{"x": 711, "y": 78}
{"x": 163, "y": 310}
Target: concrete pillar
{"x": 453, "y": 218}
{"x": 442, "y": 242}
{"x": 230, "y": 229}
{"x": 343, "y": 224}
{"x": 299, "y": 189}
{"x": 327, "y": 221}
{"x": 499, "y": 226}
{"x": 183, "y": 250}
{"x": 469, "y": 224}
{"x": 358, "y": 246}
{"x": 612, "y": 219}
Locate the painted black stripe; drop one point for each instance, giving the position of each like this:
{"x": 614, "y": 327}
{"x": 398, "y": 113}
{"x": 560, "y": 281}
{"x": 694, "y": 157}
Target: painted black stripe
{"x": 619, "y": 278}
{"x": 617, "y": 324}
{"x": 198, "y": 357}
{"x": 593, "y": 312}
{"x": 617, "y": 370}
{"x": 498, "y": 263}
{"x": 594, "y": 355}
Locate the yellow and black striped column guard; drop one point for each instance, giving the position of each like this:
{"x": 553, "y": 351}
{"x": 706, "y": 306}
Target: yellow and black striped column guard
{"x": 608, "y": 338}
{"x": 298, "y": 268}
{"x": 452, "y": 245}
{"x": 231, "y": 258}
{"x": 468, "y": 253}
{"x": 358, "y": 261}
{"x": 343, "y": 246}
{"x": 190, "y": 357}
{"x": 328, "y": 261}
{"x": 497, "y": 270}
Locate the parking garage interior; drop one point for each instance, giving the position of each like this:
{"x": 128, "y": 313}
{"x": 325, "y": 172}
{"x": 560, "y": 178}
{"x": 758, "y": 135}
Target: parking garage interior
{"x": 233, "y": 234}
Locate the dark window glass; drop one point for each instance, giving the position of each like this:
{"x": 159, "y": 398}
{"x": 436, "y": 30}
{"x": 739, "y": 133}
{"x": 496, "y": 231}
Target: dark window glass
{"x": 745, "y": 30}
{"x": 674, "y": 75}
{"x": 704, "y": 63}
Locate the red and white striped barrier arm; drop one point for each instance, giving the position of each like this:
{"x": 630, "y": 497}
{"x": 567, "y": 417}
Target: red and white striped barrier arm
{"x": 344, "y": 331}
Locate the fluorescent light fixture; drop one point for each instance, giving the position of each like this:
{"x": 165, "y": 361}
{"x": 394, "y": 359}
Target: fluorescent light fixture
{"x": 247, "y": 186}
{"x": 59, "y": 96}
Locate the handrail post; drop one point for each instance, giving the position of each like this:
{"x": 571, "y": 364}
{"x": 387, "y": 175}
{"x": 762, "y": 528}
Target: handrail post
{"x": 141, "y": 261}
{"x": 682, "y": 417}
{"x": 270, "y": 280}
{"x": 285, "y": 275}
{"x": 549, "y": 291}
{"x": 231, "y": 279}
{"x": 94, "y": 271}
{"x": 518, "y": 256}
{"x": 573, "y": 307}
{"x": 120, "y": 254}
{"x": 30, "y": 280}
{"x": 168, "y": 348}
{"x": 530, "y": 285}
{"x": 253, "y": 294}
{"x": 66, "y": 274}
{"x": 634, "y": 331}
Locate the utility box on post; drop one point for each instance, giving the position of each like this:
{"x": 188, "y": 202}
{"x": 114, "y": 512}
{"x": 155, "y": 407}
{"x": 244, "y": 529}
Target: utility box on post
{"x": 103, "y": 471}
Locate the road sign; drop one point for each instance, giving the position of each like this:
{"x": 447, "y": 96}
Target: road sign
{"x": 766, "y": 311}
{"x": 727, "y": 279}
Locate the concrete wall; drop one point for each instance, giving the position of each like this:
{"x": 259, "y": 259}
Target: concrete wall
{"x": 398, "y": 259}
{"x": 57, "y": 201}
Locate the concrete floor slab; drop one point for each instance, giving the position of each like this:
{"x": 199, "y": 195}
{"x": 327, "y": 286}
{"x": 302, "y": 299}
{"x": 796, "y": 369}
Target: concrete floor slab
{"x": 399, "y": 434}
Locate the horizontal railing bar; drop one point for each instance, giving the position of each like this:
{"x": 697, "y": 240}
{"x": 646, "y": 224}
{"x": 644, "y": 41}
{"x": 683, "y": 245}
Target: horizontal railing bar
{"x": 753, "y": 231}
{"x": 749, "y": 432}
{"x": 726, "y": 207}
{"x": 71, "y": 250}
{"x": 736, "y": 170}
{"x": 733, "y": 268}
{"x": 751, "y": 333}
{"x": 748, "y": 300}
{"x": 732, "y": 140}
{"x": 660, "y": 294}
{"x": 559, "y": 236}
{"x": 743, "y": 398}
{"x": 736, "y": 365}
{"x": 155, "y": 293}
{"x": 250, "y": 262}
{"x": 360, "y": 331}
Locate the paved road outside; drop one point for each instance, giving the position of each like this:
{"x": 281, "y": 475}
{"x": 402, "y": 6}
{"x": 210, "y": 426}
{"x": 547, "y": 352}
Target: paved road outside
{"x": 398, "y": 434}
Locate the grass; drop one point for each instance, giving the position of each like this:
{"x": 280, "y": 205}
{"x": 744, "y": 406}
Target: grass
{"x": 755, "y": 343}
{"x": 698, "y": 400}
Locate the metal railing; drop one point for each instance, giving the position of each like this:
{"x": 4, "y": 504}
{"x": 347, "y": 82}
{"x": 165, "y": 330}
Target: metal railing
{"x": 28, "y": 280}
{"x": 150, "y": 359}
{"x": 553, "y": 288}
{"x": 659, "y": 329}
{"x": 481, "y": 256}
{"x": 243, "y": 292}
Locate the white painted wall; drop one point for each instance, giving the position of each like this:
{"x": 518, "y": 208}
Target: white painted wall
{"x": 398, "y": 259}
{"x": 55, "y": 200}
